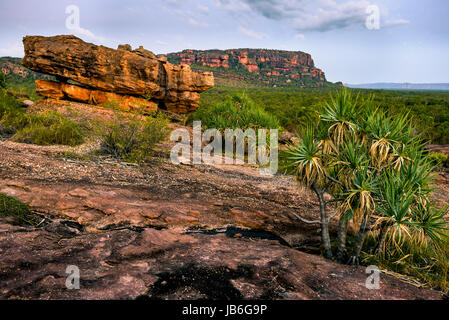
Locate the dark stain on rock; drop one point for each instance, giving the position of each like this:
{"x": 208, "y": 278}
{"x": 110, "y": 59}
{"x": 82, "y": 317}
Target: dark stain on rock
{"x": 232, "y": 231}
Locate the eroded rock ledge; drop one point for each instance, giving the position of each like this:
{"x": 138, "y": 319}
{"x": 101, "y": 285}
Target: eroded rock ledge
{"x": 130, "y": 73}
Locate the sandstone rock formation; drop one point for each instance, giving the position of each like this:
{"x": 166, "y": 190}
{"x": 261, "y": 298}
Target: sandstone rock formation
{"x": 270, "y": 66}
{"x": 133, "y": 73}
{"x": 58, "y": 90}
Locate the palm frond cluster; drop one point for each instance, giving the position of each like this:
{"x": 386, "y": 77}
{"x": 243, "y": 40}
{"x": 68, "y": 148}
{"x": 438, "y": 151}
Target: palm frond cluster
{"x": 375, "y": 167}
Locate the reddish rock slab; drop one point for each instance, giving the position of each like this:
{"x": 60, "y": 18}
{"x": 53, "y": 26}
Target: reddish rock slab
{"x": 167, "y": 264}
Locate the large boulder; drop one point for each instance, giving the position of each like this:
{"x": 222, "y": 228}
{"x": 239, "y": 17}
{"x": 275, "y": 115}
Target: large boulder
{"x": 59, "y": 90}
{"x": 136, "y": 73}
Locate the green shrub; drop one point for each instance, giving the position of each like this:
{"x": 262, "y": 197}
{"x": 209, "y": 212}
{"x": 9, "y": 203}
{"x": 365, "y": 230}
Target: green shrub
{"x": 111, "y": 104}
{"x": 237, "y": 111}
{"x": 133, "y": 139}
{"x": 10, "y": 207}
{"x": 48, "y": 128}
{"x": 2, "y": 80}
{"x": 438, "y": 159}
{"x": 10, "y": 113}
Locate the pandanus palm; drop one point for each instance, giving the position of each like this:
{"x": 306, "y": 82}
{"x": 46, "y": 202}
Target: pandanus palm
{"x": 340, "y": 114}
{"x": 305, "y": 160}
{"x": 375, "y": 168}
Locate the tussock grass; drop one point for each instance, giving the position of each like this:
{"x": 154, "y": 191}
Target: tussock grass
{"x": 439, "y": 159}
{"x": 10, "y": 207}
{"x": 428, "y": 263}
{"x": 50, "y": 128}
{"x": 47, "y": 128}
{"x": 132, "y": 138}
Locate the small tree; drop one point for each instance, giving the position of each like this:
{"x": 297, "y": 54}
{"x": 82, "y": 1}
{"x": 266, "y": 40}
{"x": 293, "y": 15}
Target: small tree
{"x": 375, "y": 169}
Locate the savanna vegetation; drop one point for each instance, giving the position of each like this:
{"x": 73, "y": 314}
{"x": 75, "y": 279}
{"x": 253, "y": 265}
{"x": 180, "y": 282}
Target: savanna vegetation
{"x": 46, "y": 128}
{"x": 127, "y": 137}
{"x": 379, "y": 177}
{"x": 237, "y": 111}
{"x": 133, "y": 137}
{"x": 361, "y": 148}
{"x": 429, "y": 110}
{"x": 2, "y": 80}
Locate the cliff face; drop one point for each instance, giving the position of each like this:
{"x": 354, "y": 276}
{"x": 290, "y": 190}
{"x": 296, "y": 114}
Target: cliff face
{"x": 12, "y": 67}
{"x": 266, "y": 66}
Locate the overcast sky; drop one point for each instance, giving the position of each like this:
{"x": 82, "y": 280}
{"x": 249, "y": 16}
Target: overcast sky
{"x": 411, "y": 45}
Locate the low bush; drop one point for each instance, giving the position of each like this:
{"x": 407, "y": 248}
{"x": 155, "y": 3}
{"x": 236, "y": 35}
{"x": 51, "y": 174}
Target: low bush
{"x": 10, "y": 207}
{"x": 49, "y": 128}
{"x": 237, "y": 111}
{"x": 2, "y": 80}
{"x": 133, "y": 138}
{"x": 45, "y": 128}
{"x": 439, "y": 159}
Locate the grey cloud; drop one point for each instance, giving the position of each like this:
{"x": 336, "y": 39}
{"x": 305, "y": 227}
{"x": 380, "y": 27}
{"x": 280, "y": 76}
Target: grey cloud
{"x": 306, "y": 15}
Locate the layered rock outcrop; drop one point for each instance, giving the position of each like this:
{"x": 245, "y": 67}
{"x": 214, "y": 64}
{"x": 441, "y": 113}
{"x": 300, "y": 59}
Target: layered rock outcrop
{"x": 270, "y": 66}
{"x": 59, "y": 90}
{"x": 123, "y": 72}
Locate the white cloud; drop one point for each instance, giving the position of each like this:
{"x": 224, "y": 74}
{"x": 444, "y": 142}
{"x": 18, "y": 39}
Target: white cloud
{"x": 252, "y": 33}
{"x": 300, "y": 36}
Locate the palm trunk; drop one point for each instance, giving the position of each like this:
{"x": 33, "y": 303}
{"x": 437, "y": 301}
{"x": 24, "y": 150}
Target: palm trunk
{"x": 325, "y": 237}
{"x": 341, "y": 238}
{"x": 361, "y": 235}
{"x": 382, "y": 238}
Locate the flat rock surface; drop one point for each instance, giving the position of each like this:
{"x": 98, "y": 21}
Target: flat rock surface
{"x": 166, "y": 232}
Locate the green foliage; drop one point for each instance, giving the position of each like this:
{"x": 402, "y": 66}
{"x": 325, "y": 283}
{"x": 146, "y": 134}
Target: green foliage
{"x": 428, "y": 263}
{"x": 23, "y": 83}
{"x": 133, "y": 138}
{"x": 10, "y": 207}
{"x": 46, "y": 128}
{"x": 295, "y": 107}
{"x": 2, "y": 80}
{"x": 111, "y": 104}
{"x": 49, "y": 128}
{"x": 237, "y": 111}
{"x": 439, "y": 159}
{"x": 377, "y": 170}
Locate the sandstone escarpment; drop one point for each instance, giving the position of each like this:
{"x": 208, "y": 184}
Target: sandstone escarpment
{"x": 270, "y": 66}
{"x": 125, "y": 72}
